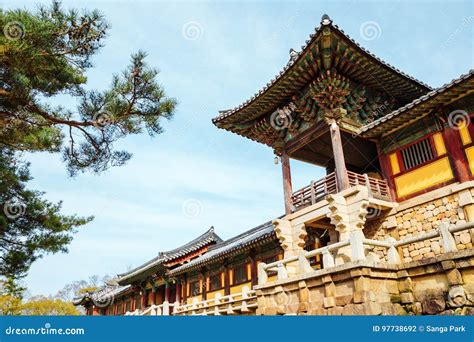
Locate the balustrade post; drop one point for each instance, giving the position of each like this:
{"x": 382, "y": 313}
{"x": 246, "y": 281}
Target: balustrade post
{"x": 328, "y": 258}
{"x": 392, "y": 253}
{"x": 262, "y": 273}
{"x": 367, "y": 183}
{"x": 313, "y": 194}
{"x": 447, "y": 239}
{"x": 357, "y": 245}
{"x": 282, "y": 273}
{"x": 303, "y": 263}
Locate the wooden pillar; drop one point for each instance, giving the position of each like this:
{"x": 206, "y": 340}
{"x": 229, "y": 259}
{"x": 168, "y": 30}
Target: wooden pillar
{"x": 204, "y": 286}
{"x": 287, "y": 187}
{"x": 144, "y": 298}
{"x": 178, "y": 291}
{"x": 455, "y": 151}
{"x": 226, "y": 280}
{"x": 153, "y": 295}
{"x": 387, "y": 172}
{"x": 167, "y": 292}
{"x": 185, "y": 292}
{"x": 338, "y": 152}
{"x": 253, "y": 267}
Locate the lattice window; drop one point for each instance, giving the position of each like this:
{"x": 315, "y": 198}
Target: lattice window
{"x": 240, "y": 274}
{"x": 194, "y": 288}
{"x": 215, "y": 282}
{"x": 417, "y": 154}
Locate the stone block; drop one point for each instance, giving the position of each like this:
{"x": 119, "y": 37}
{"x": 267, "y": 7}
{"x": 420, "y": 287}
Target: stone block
{"x": 335, "y": 311}
{"x": 407, "y": 297}
{"x": 454, "y": 277}
{"x": 343, "y": 300}
{"x": 329, "y": 302}
{"x": 456, "y": 296}
{"x": 432, "y": 306}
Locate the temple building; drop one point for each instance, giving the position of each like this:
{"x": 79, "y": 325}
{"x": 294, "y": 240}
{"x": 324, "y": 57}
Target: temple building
{"x": 388, "y": 230}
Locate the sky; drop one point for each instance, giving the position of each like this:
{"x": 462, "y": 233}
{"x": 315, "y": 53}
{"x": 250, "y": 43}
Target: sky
{"x": 213, "y": 56}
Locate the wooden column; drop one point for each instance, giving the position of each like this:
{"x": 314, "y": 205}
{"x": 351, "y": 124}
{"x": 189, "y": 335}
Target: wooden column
{"x": 153, "y": 295}
{"x": 204, "y": 285}
{"x": 143, "y": 298}
{"x": 167, "y": 292}
{"x": 287, "y": 188}
{"x": 453, "y": 144}
{"x": 178, "y": 291}
{"x": 386, "y": 171}
{"x": 253, "y": 267}
{"x": 185, "y": 292}
{"x": 338, "y": 152}
{"x": 226, "y": 280}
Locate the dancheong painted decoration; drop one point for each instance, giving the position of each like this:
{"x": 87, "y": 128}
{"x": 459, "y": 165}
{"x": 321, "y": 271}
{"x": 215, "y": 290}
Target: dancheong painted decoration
{"x": 393, "y": 215}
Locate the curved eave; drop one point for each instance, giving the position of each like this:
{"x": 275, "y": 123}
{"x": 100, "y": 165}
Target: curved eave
{"x": 156, "y": 264}
{"x": 249, "y": 108}
{"x": 224, "y": 251}
{"x": 420, "y": 107}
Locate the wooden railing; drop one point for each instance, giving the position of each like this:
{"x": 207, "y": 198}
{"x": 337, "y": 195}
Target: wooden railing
{"x": 378, "y": 188}
{"x": 358, "y": 244}
{"x": 318, "y": 190}
{"x": 315, "y": 192}
{"x": 238, "y": 303}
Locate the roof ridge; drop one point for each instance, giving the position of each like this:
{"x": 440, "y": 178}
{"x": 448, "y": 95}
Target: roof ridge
{"x": 417, "y": 101}
{"x": 326, "y": 21}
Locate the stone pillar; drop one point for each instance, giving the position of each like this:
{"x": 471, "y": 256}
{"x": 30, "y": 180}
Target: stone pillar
{"x": 348, "y": 212}
{"x": 338, "y": 153}
{"x": 287, "y": 187}
{"x": 292, "y": 240}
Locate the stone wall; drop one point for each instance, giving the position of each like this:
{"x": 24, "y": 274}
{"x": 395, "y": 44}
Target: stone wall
{"x": 416, "y": 217}
{"x": 439, "y": 285}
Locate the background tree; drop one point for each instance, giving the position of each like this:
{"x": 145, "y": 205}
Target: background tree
{"x": 48, "y": 307}
{"x": 44, "y": 54}
{"x": 29, "y": 225}
{"x": 47, "y": 53}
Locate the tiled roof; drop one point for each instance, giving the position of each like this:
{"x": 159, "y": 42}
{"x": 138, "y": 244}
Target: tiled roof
{"x": 293, "y": 65}
{"x": 235, "y": 245}
{"x": 105, "y": 294}
{"x": 449, "y": 89}
{"x": 203, "y": 240}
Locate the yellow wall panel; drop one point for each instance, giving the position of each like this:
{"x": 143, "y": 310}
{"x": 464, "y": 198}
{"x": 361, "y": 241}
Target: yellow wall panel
{"x": 424, "y": 177}
{"x": 439, "y": 144}
{"x": 238, "y": 288}
{"x": 464, "y": 133}
{"x": 470, "y": 158}
{"x": 394, "y": 163}
{"x": 211, "y": 295}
